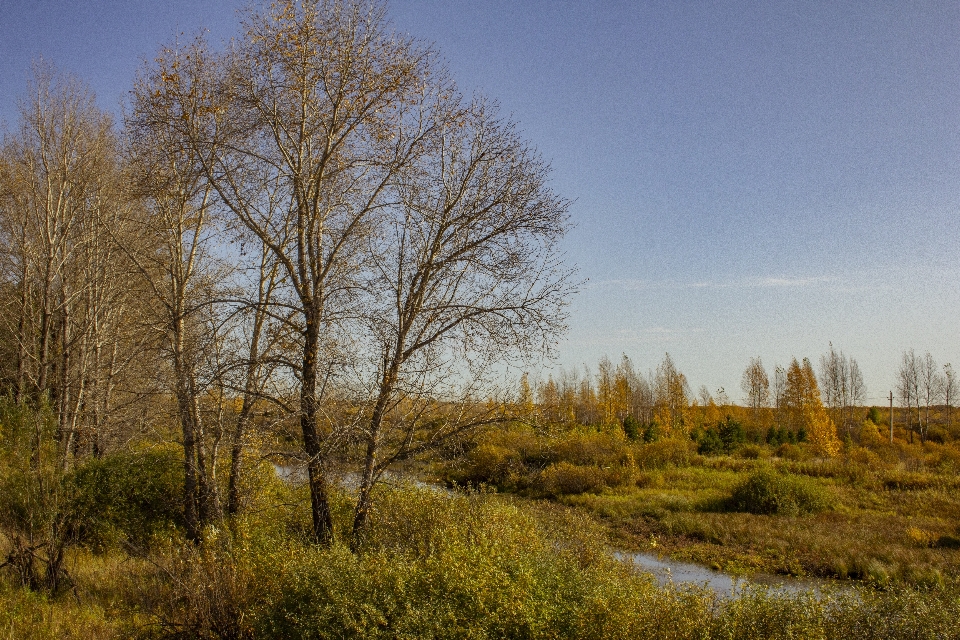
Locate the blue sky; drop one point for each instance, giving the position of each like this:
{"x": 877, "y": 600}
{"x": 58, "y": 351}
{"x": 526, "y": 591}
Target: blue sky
{"x": 749, "y": 179}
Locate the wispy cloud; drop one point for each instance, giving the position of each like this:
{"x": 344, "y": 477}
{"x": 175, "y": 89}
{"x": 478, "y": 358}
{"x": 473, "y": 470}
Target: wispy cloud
{"x": 792, "y": 282}
{"x": 745, "y": 283}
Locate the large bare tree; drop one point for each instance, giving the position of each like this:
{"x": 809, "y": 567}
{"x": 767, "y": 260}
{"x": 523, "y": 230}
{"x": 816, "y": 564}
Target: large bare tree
{"x": 467, "y": 274}
{"x": 300, "y": 128}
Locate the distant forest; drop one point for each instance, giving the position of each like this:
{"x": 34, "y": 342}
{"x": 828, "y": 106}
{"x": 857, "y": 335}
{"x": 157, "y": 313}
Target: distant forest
{"x": 786, "y": 407}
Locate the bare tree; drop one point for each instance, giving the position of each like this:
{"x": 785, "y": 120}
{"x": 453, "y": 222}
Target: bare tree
{"x": 173, "y": 256}
{"x": 779, "y": 392}
{"x": 842, "y": 388}
{"x": 908, "y": 387}
{"x": 258, "y": 338}
{"x": 300, "y": 130}
{"x": 61, "y": 192}
{"x": 949, "y": 391}
{"x": 467, "y": 274}
{"x": 756, "y": 386}
{"x": 930, "y": 390}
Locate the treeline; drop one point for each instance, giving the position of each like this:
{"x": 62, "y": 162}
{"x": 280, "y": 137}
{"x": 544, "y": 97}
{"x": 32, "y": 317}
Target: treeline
{"x": 312, "y": 228}
{"x": 796, "y": 404}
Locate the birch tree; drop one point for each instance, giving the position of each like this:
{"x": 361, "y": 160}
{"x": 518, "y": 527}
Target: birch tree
{"x": 61, "y": 194}
{"x": 173, "y": 257}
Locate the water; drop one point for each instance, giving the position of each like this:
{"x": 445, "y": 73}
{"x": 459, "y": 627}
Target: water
{"x": 297, "y": 474}
{"x": 671, "y": 572}
{"x": 291, "y": 473}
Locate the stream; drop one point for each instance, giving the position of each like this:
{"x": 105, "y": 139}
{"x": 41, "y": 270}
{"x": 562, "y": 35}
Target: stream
{"x": 672, "y": 572}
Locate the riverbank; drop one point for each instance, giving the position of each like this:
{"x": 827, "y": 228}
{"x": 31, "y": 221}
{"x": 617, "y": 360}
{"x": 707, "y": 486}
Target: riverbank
{"x": 882, "y": 517}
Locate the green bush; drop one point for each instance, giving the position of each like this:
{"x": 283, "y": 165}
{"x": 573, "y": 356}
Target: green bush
{"x": 708, "y": 442}
{"x": 128, "y": 495}
{"x": 767, "y": 492}
{"x": 723, "y": 437}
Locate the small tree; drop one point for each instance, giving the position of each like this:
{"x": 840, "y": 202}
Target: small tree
{"x": 949, "y": 391}
{"x": 756, "y": 386}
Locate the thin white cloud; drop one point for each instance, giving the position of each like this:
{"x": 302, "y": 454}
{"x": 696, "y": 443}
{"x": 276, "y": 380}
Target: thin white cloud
{"x": 792, "y": 282}
{"x": 746, "y": 283}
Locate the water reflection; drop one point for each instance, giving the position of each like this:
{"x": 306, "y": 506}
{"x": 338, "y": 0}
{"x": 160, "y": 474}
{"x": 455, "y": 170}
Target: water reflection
{"x": 667, "y": 572}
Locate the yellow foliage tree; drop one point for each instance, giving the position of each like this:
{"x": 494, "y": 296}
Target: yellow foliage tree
{"x": 672, "y": 404}
{"x": 821, "y": 431}
{"x": 802, "y": 397}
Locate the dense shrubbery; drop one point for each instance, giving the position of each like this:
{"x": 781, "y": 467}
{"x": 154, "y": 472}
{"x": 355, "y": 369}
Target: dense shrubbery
{"x": 575, "y": 461}
{"x": 768, "y": 492}
{"x": 724, "y": 437}
{"x": 127, "y": 496}
{"x": 478, "y": 566}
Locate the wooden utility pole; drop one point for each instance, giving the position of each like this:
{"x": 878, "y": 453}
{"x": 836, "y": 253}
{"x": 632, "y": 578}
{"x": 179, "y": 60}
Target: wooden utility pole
{"x": 891, "y": 417}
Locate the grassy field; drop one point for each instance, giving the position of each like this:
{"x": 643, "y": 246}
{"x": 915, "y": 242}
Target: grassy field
{"x": 436, "y": 565}
{"x": 884, "y": 515}
{"x": 529, "y": 556}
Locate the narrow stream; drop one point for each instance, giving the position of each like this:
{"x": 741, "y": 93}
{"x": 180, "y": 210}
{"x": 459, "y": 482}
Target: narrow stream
{"x": 672, "y": 572}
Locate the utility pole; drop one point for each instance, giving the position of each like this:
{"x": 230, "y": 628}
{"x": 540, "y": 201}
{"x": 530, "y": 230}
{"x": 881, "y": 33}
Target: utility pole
{"x": 891, "y": 417}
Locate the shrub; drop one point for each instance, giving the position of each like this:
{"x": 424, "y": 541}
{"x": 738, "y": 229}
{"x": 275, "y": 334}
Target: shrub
{"x": 767, "y": 492}
{"x": 591, "y": 448}
{"x": 656, "y": 455}
{"x": 794, "y": 452}
{"x": 564, "y": 478}
{"x": 753, "y": 452}
{"x": 909, "y": 481}
{"x": 128, "y": 495}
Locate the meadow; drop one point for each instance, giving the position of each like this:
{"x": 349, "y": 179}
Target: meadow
{"x": 879, "y": 513}
{"x": 521, "y": 549}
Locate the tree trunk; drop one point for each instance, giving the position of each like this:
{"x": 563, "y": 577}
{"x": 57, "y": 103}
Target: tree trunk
{"x": 21, "y": 382}
{"x": 370, "y": 460}
{"x": 236, "y": 453}
{"x": 184, "y": 405}
{"x": 249, "y": 390}
{"x": 319, "y": 500}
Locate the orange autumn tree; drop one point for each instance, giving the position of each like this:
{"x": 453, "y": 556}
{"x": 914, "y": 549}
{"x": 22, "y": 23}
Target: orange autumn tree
{"x": 805, "y": 408}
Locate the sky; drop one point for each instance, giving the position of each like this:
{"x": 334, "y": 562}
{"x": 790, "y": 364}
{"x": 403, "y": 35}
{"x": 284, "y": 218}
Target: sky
{"x": 748, "y": 179}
